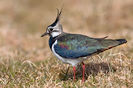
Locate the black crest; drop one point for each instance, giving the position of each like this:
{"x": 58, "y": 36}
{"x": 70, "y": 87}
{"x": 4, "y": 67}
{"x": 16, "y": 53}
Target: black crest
{"x": 57, "y": 18}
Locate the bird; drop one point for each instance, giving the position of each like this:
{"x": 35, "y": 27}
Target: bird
{"x": 73, "y": 49}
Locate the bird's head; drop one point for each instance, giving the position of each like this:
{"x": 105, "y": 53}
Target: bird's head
{"x": 55, "y": 28}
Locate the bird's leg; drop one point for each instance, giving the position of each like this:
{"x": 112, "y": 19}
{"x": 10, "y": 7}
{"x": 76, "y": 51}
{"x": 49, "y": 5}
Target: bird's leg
{"x": 74, "y": 71}
{"x": 83, "y": 67}
{"x": 66, "y": 72}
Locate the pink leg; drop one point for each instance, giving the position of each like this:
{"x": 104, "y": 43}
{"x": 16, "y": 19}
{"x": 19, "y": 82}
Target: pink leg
{"x": 74, "y": 71}
{"x": 83, "y": 66}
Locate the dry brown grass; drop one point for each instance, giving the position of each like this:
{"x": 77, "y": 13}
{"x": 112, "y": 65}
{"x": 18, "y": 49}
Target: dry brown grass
{"x": 25, "y": 57}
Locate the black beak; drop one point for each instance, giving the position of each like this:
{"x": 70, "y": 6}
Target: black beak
{"x": 44, "y": 34}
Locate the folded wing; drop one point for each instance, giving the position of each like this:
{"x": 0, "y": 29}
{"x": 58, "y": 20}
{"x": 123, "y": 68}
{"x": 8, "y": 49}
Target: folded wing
{"x": 76, "y": 46}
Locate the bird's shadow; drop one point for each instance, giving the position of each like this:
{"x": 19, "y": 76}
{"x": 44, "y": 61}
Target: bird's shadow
{"x": 90, "y": 69}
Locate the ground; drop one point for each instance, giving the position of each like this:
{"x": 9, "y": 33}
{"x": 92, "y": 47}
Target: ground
{"x": 25, "y": 57}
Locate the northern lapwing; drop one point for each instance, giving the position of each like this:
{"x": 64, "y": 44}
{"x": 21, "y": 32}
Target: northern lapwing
{"x": 75, "y": 48}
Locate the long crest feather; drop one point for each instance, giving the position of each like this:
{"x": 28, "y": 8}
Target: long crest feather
{"x": 58, "y": 14}
{"x": 57, "y": 18}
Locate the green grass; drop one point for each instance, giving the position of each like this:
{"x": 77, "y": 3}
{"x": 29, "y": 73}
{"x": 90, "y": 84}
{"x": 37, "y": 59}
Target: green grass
{"x": 115, "y": 71}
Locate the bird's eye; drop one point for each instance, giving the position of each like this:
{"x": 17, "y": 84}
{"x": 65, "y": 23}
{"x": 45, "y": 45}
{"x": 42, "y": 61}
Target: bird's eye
{"x": 51, "y": 29}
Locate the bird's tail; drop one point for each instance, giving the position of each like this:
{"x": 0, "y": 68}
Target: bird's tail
{"x": 121, "y": 41}
{"x": 110, "y": 43}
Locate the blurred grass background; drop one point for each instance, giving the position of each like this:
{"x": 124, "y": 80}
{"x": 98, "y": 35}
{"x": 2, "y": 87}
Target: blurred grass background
{"x": 23, "y": 21}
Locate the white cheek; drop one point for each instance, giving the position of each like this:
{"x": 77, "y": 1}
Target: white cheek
{"x": 54, "y": 34}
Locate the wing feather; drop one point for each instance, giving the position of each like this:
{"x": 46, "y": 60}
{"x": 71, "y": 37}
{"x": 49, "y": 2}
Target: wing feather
{"x": 75, "y": 45}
